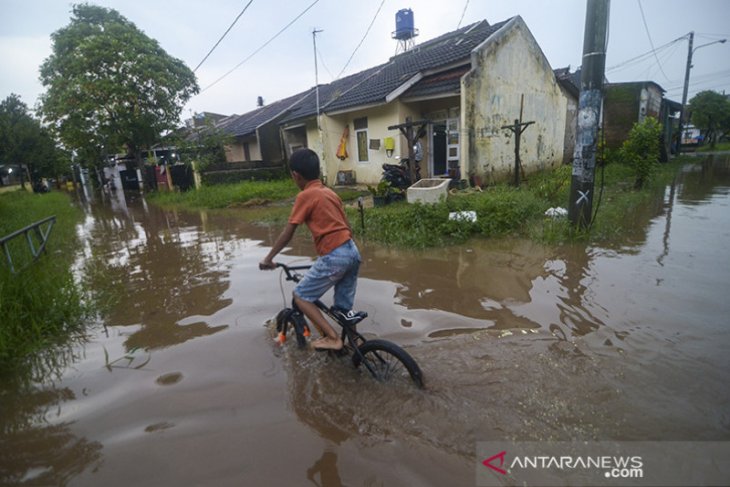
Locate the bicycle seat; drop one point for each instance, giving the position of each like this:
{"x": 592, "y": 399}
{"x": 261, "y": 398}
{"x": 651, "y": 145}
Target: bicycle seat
{"x": 350, "y": 317}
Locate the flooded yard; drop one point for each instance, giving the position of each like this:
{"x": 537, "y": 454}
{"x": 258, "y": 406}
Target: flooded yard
{"x": 181, "y": 382}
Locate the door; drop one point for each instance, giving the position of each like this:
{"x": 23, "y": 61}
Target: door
{"x": 438, "y": 151}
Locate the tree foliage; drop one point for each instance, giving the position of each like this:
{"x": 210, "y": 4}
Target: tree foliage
{"x": 641, "y": 150}
{"x": 205, "y": 145}
{"x": 23, "y": 141}
{"x": 110, "y": 86}
{"x": 711, "y": 114}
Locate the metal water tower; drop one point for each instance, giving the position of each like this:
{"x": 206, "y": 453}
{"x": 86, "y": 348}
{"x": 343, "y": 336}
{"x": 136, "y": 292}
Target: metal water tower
{"x": 405, "y": 32}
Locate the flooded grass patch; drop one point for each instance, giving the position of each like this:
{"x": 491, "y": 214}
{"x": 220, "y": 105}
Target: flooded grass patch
{"x": 500, "y": 211}
{"x": 42, "y": 304}
{"x": 248, "y": 193}
{"x": 503, "y": 210}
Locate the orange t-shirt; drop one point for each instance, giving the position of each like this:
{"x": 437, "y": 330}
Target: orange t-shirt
{"x": 321, "y": 209}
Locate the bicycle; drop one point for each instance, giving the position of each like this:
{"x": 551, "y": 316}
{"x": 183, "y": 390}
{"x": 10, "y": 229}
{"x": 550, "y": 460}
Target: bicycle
{"x": 385, "y": 360}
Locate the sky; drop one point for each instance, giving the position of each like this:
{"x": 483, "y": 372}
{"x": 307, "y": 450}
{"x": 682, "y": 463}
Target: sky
{"x": 276, "y": 66}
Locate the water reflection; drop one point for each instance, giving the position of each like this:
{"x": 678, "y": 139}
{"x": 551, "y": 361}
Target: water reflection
{"x": 34, "y": 452}
{"x": 160, "y": 267}
{"x": 609, "y": 333}
{"x": 325, "y": 468}
{"x": 482, "y": 281}
{"x": 700, "y": 182}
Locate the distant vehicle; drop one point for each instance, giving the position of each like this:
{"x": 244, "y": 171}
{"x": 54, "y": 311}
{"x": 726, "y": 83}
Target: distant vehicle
{"x": 691, "y": 136}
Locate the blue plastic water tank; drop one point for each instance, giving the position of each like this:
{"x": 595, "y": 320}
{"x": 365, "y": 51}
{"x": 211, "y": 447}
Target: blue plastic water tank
{"x": 404, "y": 24}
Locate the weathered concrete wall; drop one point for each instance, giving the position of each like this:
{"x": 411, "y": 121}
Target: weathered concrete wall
{"x": 379, "y": 119}
{"x": 236, "y": 153}
{"x": 506, "y": 66}
{"x": 626, "y": 104}
{"x": 571, "y": 127}
{"x": 650, "y": 102}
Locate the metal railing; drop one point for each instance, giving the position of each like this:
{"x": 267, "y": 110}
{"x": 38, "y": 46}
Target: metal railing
{"x": 35, "y": 228}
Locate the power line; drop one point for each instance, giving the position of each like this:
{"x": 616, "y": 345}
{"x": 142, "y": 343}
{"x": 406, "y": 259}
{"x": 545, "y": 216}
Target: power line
{"x": 706, "y": 34}
{"x": 462, "y": 14}
{"x": 224, "y": 34}
{"x": 704, "y": 79}
{"x": 642, "y": 57}
{"x": 324, "y": 65}
{"x": 363, "y": 39}
{"x": 262, "y": 46}
{"x": 653, "y": 50}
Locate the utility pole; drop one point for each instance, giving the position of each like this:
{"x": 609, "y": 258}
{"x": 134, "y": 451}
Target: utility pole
{"x": 316, "y": 73}
{"x": 686, "y": 87}
{"x": 690, "y": 52}
{"x": 595, "y": 38}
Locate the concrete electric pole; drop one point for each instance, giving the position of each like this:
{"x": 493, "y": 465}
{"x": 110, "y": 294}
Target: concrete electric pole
{"x": 595, "y": 38}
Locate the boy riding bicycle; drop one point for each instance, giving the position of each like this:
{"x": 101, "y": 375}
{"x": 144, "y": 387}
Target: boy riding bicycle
{"x": 339, "y": 258}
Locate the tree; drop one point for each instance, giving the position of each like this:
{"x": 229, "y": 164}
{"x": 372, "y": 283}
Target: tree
{"x": 23, "y": 141}
{"x": 109, "y": 86}
{"x": 711, "y": 114}
{"x": 205, "y": 145}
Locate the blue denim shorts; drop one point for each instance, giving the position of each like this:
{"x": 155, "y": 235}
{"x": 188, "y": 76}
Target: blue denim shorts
{"x": 339, "y": 268}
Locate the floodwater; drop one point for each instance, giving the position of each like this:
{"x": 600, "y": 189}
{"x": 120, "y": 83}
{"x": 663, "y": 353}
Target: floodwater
{"x": 180, "y": 382}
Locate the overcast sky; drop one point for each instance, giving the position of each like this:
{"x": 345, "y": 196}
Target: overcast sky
{"x": 285, "y": 66}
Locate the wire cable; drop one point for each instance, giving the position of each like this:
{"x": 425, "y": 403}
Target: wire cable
{"x": 651, "y": 42}
{"x": 642, "y": 57}
{"x": 362, "y": 40}
{"x": 261, "y": 47}
{"x": 324, "y": 65}
{"x": 224, "y": 34}
{"x": 462, "y": 15}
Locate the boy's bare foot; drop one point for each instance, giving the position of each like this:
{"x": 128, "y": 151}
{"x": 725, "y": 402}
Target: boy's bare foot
{"x": 327, "y": 343}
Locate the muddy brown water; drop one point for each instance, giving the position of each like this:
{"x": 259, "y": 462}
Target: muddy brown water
{"x": 180, "y": 382}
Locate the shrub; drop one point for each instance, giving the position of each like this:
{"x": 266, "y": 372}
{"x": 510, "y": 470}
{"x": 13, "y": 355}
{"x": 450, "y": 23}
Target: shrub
{"x": 641, "y": 150}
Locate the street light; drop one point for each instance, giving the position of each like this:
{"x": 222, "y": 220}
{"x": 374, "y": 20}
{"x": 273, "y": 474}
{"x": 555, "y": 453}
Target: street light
{"x": 690, "y": 51}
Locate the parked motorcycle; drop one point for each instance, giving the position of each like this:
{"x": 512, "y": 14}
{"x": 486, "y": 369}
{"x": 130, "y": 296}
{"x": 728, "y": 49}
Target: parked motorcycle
{"x": 399, "y": 175}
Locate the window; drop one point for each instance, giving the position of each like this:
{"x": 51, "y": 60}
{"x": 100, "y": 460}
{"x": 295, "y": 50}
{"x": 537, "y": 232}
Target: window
{"x": 361, "y": 136}
{"x": 246, "y": 152}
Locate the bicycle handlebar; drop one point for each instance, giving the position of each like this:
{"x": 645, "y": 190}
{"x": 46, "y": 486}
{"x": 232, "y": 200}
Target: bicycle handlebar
{"x": 289, "y": 270}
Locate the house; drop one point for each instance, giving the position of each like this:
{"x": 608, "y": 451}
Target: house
{"x": 570, "y": 85}
{"x": 628, "y": 103}
{"x": 256, "y": 133}
{"x": 467, "y": 84}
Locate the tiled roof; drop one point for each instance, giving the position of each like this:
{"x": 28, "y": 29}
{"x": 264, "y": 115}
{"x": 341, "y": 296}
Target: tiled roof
{"x": 444, "y": 83}
{"x": 445, "y": 50}
{"x": 374, "y": 84}
{"x": 570, "y": 81}
{"x": 307, "y": 107}
{"x": 248, "y": 122}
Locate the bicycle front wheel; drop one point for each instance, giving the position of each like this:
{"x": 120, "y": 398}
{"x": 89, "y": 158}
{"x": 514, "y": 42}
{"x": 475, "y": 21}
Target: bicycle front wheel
{"x": 387, "y": 362}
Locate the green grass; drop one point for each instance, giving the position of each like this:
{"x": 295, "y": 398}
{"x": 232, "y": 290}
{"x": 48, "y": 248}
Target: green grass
{"x": 228, "y": 195}
{"x": 720, "y": 146}
{"x": 502, "y": 210}
{"x": 41, "y": 304}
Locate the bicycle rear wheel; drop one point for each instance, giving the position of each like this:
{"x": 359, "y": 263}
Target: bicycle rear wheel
{"x": 387, "y": 362}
